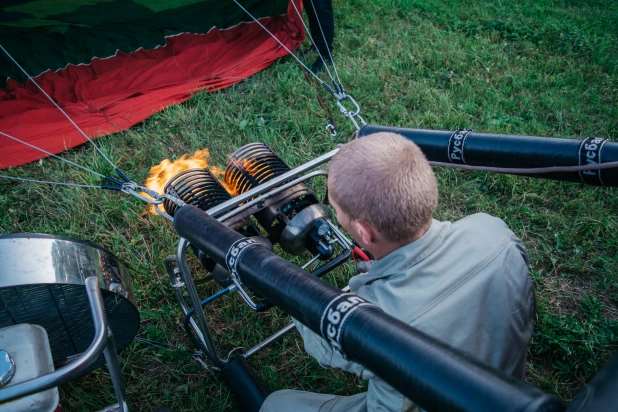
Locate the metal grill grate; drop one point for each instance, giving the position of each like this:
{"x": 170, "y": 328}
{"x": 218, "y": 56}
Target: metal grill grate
{"x": 64, "y": 312}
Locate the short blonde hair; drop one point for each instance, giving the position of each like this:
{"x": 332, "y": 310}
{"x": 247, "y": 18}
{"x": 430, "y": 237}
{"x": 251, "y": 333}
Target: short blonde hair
{"x": 384, "y": 179}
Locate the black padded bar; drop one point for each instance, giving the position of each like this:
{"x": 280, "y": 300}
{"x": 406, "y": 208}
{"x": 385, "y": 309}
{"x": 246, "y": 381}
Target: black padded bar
{"x": 599, "y": 395}
{"x": 510, "y": 151}
{"x": 430, "y": 373}
{"x": 244, "y": 384}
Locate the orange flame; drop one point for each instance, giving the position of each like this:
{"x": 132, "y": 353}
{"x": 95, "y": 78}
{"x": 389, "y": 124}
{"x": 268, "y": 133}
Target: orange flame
{"x": 233, "y": 181}
{"x": 162, "y": 173}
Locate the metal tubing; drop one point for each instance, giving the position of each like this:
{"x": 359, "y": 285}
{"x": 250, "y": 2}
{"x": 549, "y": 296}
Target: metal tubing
{"x": 259, "y": 199}
{"x": 115, "y": 372}
{"x": 75, "y": 369}
{"x": 266, "y": 342}
{"x": 467, "y": 147}
{"x": 265, "y": 187}
{"x": 185, "y": 274}
{"x": 181, "y": 299}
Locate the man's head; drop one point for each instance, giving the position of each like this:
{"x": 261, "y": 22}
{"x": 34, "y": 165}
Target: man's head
{"x": 383, "y": 190}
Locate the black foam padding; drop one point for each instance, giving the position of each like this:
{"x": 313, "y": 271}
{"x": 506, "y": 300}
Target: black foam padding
{"x": 510, "y": 151}
{"x": 244, "y": 384}
{"x": 430, "y": 373}
{"x": 601, "y": 393}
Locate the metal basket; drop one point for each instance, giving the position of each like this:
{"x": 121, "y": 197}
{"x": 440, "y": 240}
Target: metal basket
{"x": 42, "y": 283}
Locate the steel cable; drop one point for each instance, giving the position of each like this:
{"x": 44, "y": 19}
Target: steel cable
{"x": 532, "y": 170}
{"x": 325, "y": 43}
{"x": 281, "y": 44}
{"x": 52, "y": 154}
{"x": 23, "y": 179}
{"x": 313, "y": 42}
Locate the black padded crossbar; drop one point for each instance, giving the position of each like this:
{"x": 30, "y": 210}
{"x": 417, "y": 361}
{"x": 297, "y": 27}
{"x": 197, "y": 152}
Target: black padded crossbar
{"x": 600, "y": 393}
{"x": 509, "y": 151}
{"x": 430, "y": 373}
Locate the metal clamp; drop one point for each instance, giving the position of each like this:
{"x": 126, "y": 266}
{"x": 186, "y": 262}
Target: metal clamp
{"x": 352, "y": 115}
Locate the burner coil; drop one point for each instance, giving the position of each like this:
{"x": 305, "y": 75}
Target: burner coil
{"x": 289, "y": 217}
{"x": 252, "y": 165}
{"x": 197, "y": 187}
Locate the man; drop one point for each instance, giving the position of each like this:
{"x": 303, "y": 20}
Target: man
{"x": 465, "y": 283}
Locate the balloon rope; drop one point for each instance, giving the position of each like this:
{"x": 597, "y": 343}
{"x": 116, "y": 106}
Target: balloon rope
{"x": 23, "y": 179}
{"x": 281, "y": 44}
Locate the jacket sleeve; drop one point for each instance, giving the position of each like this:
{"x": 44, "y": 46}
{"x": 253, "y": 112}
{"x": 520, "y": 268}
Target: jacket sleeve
{"x": 319, "y": 349}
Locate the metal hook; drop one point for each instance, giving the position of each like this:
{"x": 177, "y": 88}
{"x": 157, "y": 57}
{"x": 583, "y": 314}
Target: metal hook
{"x": 331, "y": 129}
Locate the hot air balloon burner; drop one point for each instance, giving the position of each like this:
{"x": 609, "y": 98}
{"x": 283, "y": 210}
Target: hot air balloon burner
{"x": 294, "y": 217}
{"x": 199, "y": 187}
{"x": 264, "y": 193}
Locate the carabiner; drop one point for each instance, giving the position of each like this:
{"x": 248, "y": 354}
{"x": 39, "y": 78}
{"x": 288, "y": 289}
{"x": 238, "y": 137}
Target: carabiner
{"x": 351, "y": 115}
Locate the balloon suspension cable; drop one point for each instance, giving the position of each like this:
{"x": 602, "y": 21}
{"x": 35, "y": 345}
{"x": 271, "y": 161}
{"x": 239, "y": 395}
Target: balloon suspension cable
{"x": 23, "y": 179}
{"x": 330, "y": 55}
{"x": 332, "y": 79}
{"x": 280, "y": 43}
{"x": 338, "y": 92}
{"x": 51, "y": 154}
{"x": 119, "y": 172}
{"x": 116, "y": 184}
{"x": 124, "y": 184}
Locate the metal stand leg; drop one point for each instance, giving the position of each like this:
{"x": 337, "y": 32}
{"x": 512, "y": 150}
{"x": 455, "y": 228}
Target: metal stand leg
{"x": 113, "y": 365}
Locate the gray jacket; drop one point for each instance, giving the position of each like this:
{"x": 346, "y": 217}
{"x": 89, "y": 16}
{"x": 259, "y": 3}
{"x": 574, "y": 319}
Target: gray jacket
{"x": 465, "y": 283}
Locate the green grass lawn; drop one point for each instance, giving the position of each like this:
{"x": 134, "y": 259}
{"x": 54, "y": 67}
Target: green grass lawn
{"x": 541, "y": 68}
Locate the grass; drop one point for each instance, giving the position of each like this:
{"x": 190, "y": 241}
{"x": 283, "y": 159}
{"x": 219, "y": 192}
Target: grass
{"x": 544, "y": 68}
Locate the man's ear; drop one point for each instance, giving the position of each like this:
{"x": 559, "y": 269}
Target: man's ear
{"x": 366, "y": 231}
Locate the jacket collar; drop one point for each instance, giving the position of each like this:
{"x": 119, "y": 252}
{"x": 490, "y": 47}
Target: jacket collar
{"x": 404, "y": 257}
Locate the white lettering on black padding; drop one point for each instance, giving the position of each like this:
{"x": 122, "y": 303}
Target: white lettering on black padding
{"x": 336, "y": 316}
{"x": 233, "y": 255}
{"x": 590, "y": 152}
{"x": 456, "y": 144}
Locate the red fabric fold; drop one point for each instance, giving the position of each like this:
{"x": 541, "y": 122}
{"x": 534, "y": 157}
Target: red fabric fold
{"x": 112, "y": 94}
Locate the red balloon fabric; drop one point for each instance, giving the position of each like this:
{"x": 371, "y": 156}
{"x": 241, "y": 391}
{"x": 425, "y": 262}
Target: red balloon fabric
{"x": 112, "y": 94}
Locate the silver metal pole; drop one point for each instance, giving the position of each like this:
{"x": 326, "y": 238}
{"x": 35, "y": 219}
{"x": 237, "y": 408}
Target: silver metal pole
{"x": 115, "y": 372}
{"x": 266, "y": 186}
{"x": 269, "y": 340}
{"x": 198, "y": 311}
{"x": 181, "y": 300}
{"x": 280, "y": 189}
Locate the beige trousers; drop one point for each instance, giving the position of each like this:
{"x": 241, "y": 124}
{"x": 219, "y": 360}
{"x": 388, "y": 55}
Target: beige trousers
{"x": 300, "y": 401}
